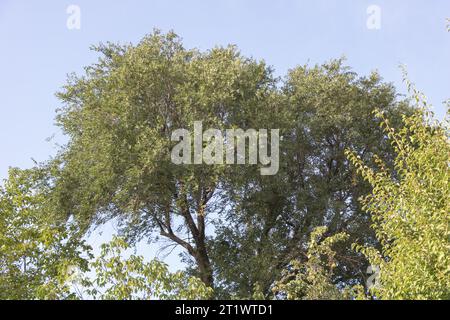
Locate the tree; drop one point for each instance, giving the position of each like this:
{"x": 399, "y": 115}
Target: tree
{"x": 410, "y": 209}
{"x": 132, "y": 278}
{"x": 42, "y": 260}
{"x": 119, "y": 118}
{"x": 321, "y": 110}
{"x": 241, "y": 231}
{"x": 312, "y": 279}
{"x": 35, "y": 254}
{"x": 409, "y": 206}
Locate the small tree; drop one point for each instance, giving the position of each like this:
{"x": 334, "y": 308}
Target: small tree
{"x": 40, "y": 259}
{"x": 132, "y": 278}
{"x": 410, "y": 208}
{"x": 35, "y": 255}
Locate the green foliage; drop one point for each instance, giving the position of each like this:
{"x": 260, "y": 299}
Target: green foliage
{"x": 118, "y": 278}
{"x": 35, "y": 255}
{"x": 410, "y": 208}
{"x": 311, "y": 277}
{"x": 321, "y": 111}
{"x": 42, "y": 260}
{"x": 119, "y": 116}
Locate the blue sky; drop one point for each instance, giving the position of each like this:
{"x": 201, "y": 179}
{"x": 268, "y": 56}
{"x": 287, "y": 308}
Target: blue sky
{"x": 38, "y": 50}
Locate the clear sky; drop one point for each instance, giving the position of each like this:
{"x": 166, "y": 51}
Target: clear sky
{"x": 38, "y": 50}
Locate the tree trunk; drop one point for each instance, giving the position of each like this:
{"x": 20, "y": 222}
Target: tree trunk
{"x": 204, "y": 267}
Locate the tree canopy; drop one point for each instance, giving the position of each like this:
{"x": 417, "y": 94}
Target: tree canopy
{"x": 409, "y": 207}
{"x": 243, "y": 234}
{"x": 119, "y": 117}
